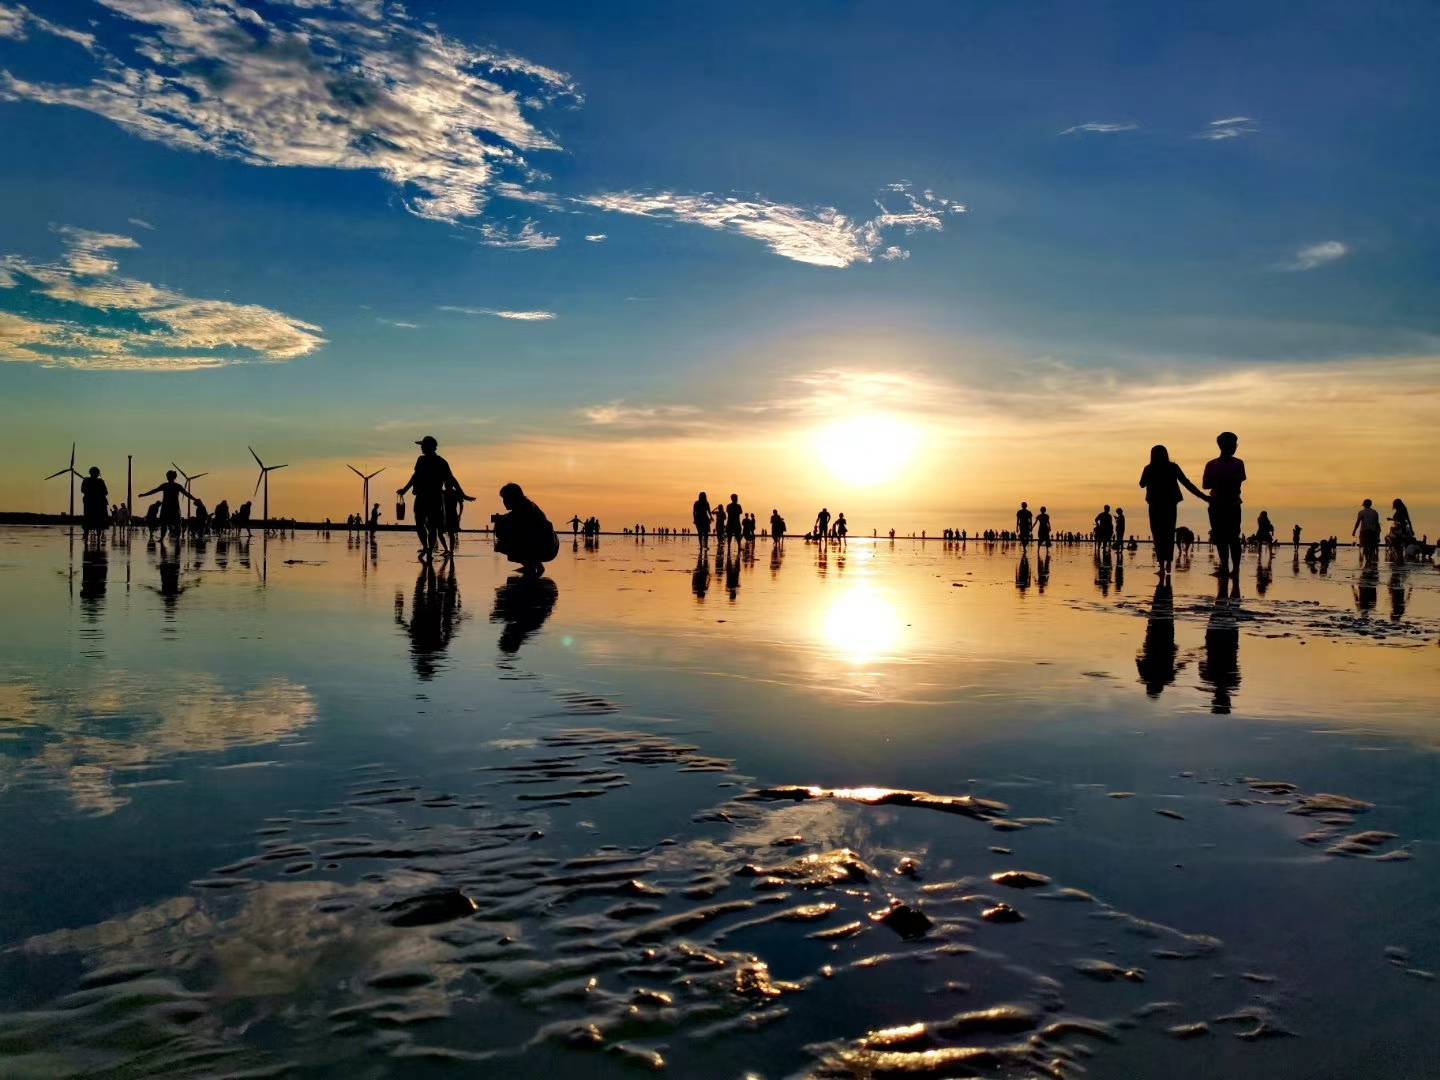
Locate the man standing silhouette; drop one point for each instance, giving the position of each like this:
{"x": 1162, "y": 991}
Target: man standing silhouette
{"x": 1024, "y": 519}
{"x": 430, "y": 478}
{"x": 733, "y": 519}
{"x": 1223, "y": 478}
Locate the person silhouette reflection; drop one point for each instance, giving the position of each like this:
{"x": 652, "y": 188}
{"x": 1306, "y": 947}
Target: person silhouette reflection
{"x": 1042, "y": 571}
{"x": 700, "y": 576}
{"x": 732, "y": 574}
{"x": 1399, "y": 595}
{"x": 523, "y": 604}
{"x": 94, "y": 576}
{"x": 434, "y": 615}
{"x": 1156, "y": 662}
{"x": 1367, "y": 592}
{"x": 1220, "y": 666}
{"x": 1022, "y": 571}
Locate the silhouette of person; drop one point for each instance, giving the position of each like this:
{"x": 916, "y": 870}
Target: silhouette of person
{"x": 524, "y": 534}
{"x": 777, "y": 527}
{"x": 1119, "y": 526}
{"x": 1042, "y": 524}
{"x": 1367, "y": 528}
{"x": 1264, "y": 531}
{"x": 575, "y": 525}
{"x": 1022, "y": 571}
{"x": 822, "y": 524}
{"x": 1024, "y": 522}
{"x": 430, "y": 478}
{"x": 733, "y": 515}
{"x": 94, "y": 575}
{"x": 1367, "y": 592}
{"x": 1402, "y": 530}
{"x": 700, "y": 576}
{"x": 454, "y": 511}
{"x": 170, "y": 517}
{"x": 732, "y": 574}
{"x": 719, "y": 515}
{"x": 1156, "y": 662}
{"x": 842, "y": 528}
{"x": 1399, "y": 595}
{"x": 1162, "y": 480}
{"x": 700, "y": 515}
{"x": 523, "y": 604}
{"x": 1220, "y": 666}
{"x": 1104, "y": 526}
{"x": 95, "y": 501}
{"x": 374, "y": 522}
{"x": 1295, "y": 536}
{"x": 434, "y": 615}
{"x": 1223, "y": 478}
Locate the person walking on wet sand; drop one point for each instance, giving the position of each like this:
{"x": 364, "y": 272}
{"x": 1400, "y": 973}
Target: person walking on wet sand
{"x": 1104, "y": 526}
{"x": 1119, "y": 526}
{"x": 171, "y": 520}
{"x": 822, "y": 523}
{"x": 1223, "y": 478}
{"x": 1265, "y": 532}
{"x": 1024, "y": 521}
{"x": 1367, "y": 530}
{"x": 700, "y": 515}
{"x": 430, "y": 478}
{"x": 777, "y": 527}
{"x": 734, "y": 519}
{"x": 1162, "y": 480}
{"x": 1042, "y": 523}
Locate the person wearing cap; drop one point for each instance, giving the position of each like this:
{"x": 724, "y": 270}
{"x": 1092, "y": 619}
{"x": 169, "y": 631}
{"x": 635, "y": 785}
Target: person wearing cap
{"x": 430, "y": 479}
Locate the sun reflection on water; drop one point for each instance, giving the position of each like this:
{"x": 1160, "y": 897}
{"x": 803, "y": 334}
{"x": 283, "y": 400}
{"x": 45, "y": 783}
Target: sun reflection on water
{"x": 861, "y": 625}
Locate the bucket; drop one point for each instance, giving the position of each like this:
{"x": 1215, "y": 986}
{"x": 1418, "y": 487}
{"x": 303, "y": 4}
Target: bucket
{"x": 399, "y": 509}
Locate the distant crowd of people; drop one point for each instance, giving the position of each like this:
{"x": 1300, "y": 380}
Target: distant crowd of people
{"x": 526, "y": 536}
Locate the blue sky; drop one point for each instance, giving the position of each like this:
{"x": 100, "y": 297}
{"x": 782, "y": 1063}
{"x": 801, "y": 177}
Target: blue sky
{"x": 1148, "y": 194}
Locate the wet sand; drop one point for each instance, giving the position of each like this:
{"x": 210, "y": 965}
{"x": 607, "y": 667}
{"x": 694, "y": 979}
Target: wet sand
{"x": 887, "y": 810}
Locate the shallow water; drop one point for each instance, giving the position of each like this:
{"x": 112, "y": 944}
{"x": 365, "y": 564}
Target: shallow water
{"x": 299, "y": 807}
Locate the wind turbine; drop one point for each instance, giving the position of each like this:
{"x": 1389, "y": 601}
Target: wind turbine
{"x": 365, "y": 479}
{"x": 189, "y": 479}
{"x": 264, "y": 478}
{"x": 73, "y": 474}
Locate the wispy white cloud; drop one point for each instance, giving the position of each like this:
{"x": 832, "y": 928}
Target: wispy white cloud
{"x": 433, "y": 423}
{"x": 141, "y": 223}
{"x": 619, "y": 414}
{"x": 16, "y": 23}
{"x": 103, "y": 321}
{"x": 517, "y": 316}
{"x": 820, "y": 236}
{"x": 399, "y": 324}
{"x": 1316, "y": 256}
{"x": 341, "y": 85}
{"x": 595, "y": 238}
{"x": 1096, "y": 127}
{"x": 529, "y": 237}
{"x": 1230, "y": 127}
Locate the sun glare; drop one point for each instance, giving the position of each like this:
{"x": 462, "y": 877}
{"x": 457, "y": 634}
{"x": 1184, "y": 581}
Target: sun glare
{"x": 861, "y": 625}
{"x": 866, "y": 450}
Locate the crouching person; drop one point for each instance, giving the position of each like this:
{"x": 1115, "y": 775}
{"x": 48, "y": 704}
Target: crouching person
{"x": 523, "y": 534}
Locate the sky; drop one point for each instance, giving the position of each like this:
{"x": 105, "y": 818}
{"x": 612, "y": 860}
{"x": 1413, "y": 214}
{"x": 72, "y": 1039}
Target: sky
{"x": 914, "y": 264}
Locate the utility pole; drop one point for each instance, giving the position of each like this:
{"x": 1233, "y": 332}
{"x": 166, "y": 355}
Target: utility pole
{"x": 129, "y": 490}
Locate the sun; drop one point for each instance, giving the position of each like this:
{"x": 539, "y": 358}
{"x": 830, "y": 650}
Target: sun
{"x": 867, "y": 449}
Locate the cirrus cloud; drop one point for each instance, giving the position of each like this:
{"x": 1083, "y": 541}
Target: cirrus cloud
{"x": 1316, "y": 256}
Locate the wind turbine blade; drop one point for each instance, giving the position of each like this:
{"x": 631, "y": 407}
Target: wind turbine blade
{"x": 255, "y": 456}
{"x": 257, "y": 484}
{"x": 181, "y": 471}
{"x": 62, "y": 472}
{"x": 72, "y": 456}
{"x": 378, "y": 471}
{"x": 197, "y": 476}
{"x": 274, "y": 467}
{"x": 356, "y": 471}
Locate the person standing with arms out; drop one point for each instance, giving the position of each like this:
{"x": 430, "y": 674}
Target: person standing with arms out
{"x": 1042, "y": 523}
{"x": 1367, "y": 528}
{"x": 170, "y": 518}
{"x": 700, "y": 515}
{"x": 430, "y": 478}
{"x": 1024, "y": 520}
{"x": 1162, "y": 480}
{"x": 734, "y": 514}
{"x": 1223, "y": 478}
{"x": 575, "y": 526}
